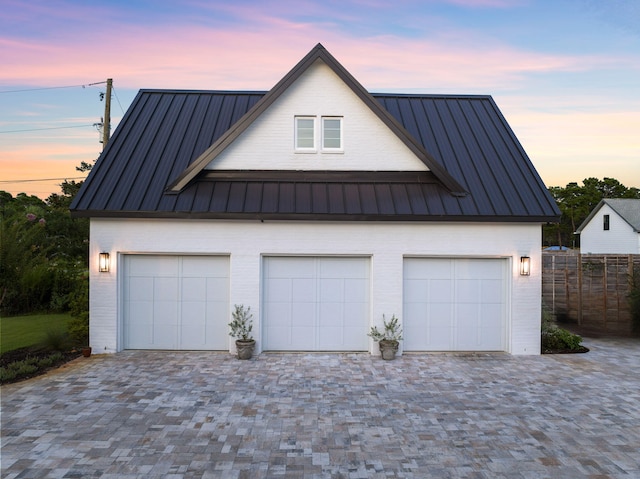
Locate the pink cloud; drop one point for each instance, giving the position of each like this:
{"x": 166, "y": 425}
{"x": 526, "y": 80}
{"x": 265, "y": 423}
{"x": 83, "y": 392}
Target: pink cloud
{"x": 200, "y": 57}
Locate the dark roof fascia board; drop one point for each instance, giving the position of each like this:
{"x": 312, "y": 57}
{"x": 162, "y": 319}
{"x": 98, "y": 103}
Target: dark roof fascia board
{"x": 318, "y": 52}
{"x": 337, "y": 218}
{"x": 324, "y": 176}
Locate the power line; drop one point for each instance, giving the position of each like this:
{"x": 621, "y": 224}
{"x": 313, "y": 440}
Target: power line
{"x": 43, "y": 179}
{"x": 50, "y": 128}
{"x": 117, "y": 99}
{"x": 54, "y": 87}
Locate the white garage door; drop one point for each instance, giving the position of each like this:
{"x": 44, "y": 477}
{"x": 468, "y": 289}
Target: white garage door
{"x": 454, "y": 304}
{"x": 176, "y": 302}
{"x": 315, "y": 303}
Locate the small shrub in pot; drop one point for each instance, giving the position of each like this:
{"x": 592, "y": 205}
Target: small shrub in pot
{"x": 388, "y": 339}
{"x": 241, "y": 328}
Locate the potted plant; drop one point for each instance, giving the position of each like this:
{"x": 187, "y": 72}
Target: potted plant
{"x": 241, "y": 327}
{"x": 389, "y": 338}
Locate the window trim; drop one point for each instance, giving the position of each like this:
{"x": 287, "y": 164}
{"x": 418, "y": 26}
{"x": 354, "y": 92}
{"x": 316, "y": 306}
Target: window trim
{"x": 304, "y": 149}
{"x": 324, "y": 148}
{"x": 606, "y": 223}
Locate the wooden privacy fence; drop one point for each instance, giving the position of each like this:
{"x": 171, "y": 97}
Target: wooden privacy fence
{"x": 591, "y": 290}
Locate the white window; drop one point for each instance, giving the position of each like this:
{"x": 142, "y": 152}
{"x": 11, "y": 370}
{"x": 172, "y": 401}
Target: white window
{"x": 305, "y": 135}
{"x": 331, "y": 133}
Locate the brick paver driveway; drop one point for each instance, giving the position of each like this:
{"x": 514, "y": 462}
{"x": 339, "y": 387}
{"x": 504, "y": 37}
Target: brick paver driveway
{"x": 195, "y": 414}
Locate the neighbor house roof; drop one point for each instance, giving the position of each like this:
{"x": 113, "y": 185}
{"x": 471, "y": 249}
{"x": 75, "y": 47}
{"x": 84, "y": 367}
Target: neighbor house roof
{"x": 154, "y": 165}
{"x": 627, "y": 208}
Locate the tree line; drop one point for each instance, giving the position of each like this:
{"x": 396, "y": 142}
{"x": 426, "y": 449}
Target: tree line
{"x": 44, "y": 252}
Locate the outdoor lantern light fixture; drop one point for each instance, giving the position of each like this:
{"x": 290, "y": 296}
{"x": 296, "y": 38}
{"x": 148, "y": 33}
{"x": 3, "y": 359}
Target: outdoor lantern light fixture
{"x": 525, "y": 266}
{"x": 103, "y": 263}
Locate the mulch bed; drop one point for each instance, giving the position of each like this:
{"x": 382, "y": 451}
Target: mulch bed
{"x": 581, "y": 349}
{"x": 25, "y": 353}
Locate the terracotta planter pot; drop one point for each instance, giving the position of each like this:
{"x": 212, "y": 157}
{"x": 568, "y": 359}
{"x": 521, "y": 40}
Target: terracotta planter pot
{"x": 388, "y": 349}
{"x": 245, "y": 348}
{"x": 86, "y": 352}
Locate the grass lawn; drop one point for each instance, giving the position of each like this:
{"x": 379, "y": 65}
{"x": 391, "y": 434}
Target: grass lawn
{"x": 22, "y": 331}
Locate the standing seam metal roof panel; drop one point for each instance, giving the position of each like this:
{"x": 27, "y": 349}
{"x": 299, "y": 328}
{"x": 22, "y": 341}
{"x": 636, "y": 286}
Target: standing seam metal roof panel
{"x": 164, "y": 131}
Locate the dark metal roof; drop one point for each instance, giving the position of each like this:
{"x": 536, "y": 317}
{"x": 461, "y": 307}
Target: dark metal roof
{"x": 166, "y": 131}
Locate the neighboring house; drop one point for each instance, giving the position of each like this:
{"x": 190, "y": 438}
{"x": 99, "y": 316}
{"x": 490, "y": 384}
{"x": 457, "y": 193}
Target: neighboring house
{"x": 322, "y": 207}
{"x": 613, "y": 227}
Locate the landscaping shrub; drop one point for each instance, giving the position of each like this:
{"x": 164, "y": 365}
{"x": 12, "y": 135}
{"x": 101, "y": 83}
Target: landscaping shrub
{"x": 555, "y": 339}
{"x": 57, "y": 340}
{"x": 30, "y": 366}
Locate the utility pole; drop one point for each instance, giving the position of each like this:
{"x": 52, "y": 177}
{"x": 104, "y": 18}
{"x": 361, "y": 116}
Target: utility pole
{"x": 106, "y": 127}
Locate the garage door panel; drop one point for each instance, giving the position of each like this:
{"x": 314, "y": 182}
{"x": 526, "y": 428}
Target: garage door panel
{"x": 492, "y": 291}
{"x": 356, "y": 290}
{"x": 354, "y": 340}
{"x": 204, "y": 266}
{"x": 438, "y": 268}
{"x": 343, "y": 268}
{"x": 279, "y": 313}
{"x": 440, "y": 336}
{"x": 140, "y": 289}
{"x": 416, "y": 289}
{"x": 150, "y": 265}
{"x": 303, "y": 314}
{"x": 302, "y": 289}
{"x": 301, "y": 338}
{"x": 217, "y": 289}
{"x": 468, "y": 291}
{"x": 185, "y": 302}
{"x": 331, "y": 315}
{"x": 278, "y": 290}
{"x": 282, "y": 268}
{"x": 279, "y": 337}
{"x": 165, "y": 289}
{"x": 165, "y": 312}
{"x": 326, "y": 297}
{"x": 330, "y": 338}
{"x": 194, "y": 313}
{"x": 331, "y": 290}
{"x": 353, "y": 310}
{"x": 194, "y": 289}
{"x": 193, "y": 328}
{"x": 439, "y": 290}
{"x": 463, "y": 307}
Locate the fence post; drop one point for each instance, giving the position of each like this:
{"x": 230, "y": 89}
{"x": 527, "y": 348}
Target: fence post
{"x": 579, "y": 270}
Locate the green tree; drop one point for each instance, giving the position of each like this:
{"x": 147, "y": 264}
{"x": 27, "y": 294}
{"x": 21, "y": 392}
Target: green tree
{"x": 43, "y": 251}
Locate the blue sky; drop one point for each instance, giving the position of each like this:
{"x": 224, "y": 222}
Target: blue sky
{"x": 565, "y": 73}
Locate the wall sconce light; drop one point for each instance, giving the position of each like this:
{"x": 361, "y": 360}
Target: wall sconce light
{"x": 103, "y": 263}
{"x": 525, "y": 266}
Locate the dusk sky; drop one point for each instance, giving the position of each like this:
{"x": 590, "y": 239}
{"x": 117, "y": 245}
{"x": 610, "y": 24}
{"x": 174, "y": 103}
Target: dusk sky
{"x": 565, "y": 73}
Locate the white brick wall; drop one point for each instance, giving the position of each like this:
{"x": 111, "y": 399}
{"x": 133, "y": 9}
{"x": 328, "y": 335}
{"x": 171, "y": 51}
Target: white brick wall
{"x": 385, "y": 243}
{"x": 269, "y": 142}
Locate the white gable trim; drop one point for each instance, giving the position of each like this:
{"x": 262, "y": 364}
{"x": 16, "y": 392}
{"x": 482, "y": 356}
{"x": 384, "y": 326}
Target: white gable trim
{"x": 318, "y": 52}
{"x": 269, "y": 142}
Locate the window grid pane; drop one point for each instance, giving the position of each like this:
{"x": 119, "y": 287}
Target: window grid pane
{"x": 305, "y": 133}
{"x": 331, "y": 133}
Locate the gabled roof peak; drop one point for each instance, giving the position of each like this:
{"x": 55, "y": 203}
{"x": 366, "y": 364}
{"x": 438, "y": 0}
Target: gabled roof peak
{"x": 627, "y": 208}
{"x": 319, "y": 52}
